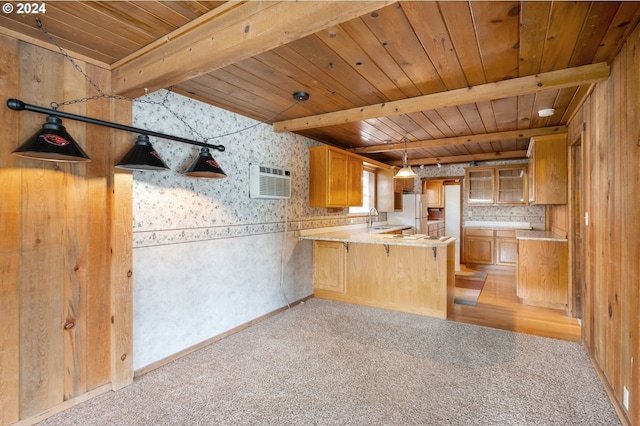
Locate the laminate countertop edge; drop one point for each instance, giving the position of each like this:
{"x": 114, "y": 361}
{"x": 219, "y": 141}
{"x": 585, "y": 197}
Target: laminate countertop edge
{"x": 539, "y": 235}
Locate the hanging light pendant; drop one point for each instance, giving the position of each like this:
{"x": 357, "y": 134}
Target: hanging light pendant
{"x": 52, "y": 143}
{"x": 142, "y": 157}
{"x": 205, "y": 167}
{"x": 405, "y": 172}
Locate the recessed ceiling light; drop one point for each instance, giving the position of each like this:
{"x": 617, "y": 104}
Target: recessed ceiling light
{"x": 546, "y": 112}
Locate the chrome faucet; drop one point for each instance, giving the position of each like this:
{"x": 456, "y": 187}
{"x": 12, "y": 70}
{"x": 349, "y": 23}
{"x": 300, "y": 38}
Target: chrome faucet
{"x": 371, "y": 213}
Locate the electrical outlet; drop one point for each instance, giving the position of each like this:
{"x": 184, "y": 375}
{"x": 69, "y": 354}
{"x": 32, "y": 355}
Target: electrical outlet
{"x": 625, "y": 397}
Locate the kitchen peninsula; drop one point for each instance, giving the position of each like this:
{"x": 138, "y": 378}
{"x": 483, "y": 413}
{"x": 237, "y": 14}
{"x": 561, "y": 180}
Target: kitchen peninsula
{"x": 377, "y": 267}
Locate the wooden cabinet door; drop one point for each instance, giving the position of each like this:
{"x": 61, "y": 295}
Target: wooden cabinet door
{"x": 338, "y": 169}
{"x": 385, "y": 199}
{"x": 542, "y": 273}
{"x": 329, "y": 266}
{"x": 548, "y": 164}
{"x": 354, "y": 181}
{"x": 433, "y": 191}
{"x": 480, "y": 189}
{"x": 510, "y": 185}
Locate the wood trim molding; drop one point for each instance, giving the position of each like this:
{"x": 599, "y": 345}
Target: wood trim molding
{"x": 462, "y": 140}
{"x": 553, "y": 80}
{"x": 430, "y": 161}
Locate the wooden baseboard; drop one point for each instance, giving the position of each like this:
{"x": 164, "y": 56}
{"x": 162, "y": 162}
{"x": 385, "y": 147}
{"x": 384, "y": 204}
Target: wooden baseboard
{"x": 617, "y": 404}
{"x": 177, "y": 355}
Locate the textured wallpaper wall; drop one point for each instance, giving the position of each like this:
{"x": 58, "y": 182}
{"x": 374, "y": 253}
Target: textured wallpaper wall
{"x": 207, "y": 258}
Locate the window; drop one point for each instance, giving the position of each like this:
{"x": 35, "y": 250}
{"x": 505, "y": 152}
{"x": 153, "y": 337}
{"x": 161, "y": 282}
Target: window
{"x": 368, "y": 193}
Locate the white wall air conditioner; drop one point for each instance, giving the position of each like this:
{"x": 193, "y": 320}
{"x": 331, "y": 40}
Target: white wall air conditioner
{"x": 269, "y": 182}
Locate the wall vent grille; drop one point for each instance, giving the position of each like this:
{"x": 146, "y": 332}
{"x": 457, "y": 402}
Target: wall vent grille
{"x": 269, "y": 182}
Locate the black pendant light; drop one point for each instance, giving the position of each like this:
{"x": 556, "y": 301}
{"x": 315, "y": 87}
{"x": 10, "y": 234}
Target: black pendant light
{"x": 142, "y": 157}
{"x": 52, "y": 143}
{"x": 205, "y": 167}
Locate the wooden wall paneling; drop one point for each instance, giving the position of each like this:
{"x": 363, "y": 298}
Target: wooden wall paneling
{"x": 99, "y": 203}
{"x": 121, "y": 238}
{"x": 43, "y": 253}
{"x": 611, "y": 150}
{"x": 10, "y": 218}
{"x": 631, "y": 250}
{"x": 74, "y": 237}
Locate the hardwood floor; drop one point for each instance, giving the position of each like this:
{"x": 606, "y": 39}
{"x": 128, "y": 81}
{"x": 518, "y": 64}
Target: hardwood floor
{"x": 499, "y": 307}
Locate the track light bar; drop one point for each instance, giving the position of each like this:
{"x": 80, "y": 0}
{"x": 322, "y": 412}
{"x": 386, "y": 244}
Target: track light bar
{"x": 18, "y": 105}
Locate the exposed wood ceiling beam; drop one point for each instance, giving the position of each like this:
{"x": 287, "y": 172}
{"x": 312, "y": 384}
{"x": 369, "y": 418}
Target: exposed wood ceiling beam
{"x": 430, "y": 161}
{"x": 553, "y": 80}
{"x": 461, "y": 140}
{"x": 218, "y": 39}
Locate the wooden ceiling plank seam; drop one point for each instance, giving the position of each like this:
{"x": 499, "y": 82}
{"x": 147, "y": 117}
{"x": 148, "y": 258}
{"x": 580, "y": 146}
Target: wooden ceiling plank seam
{"x": 99, "y": 13}
{"x": 343, "y": 45}
{"x": 206, "y": 48}
{"x": 337, "y": 68}
{"x": 526, "y": 110}
{"x": 357, "y": 69}
{"x": 485, "y": 109}
{"x": 464, "y": 140}
{"x": 362, "y": 35}
{"x": 565, "y": 24}
{"x": 436, "y": 41}
{"x": 499, "y": 54}
{"x": 506, "y": 88}
{"x": 390, "y": 25}
{"x": 459, "y": 22}
{"x": 129, "y": 13}
{"x": 534, "y": 27}
{"x": 162, "y": 12}
{"x": 472, "y": 118}
{"x": 455, "y": 120}
{"x": 593, "y": 31}
{"x": 71, "y": 31}
{"x": 429, "y": 126}
{"x": 506, "y": 113}
{"x": 621, "y": 27}
{"x": 335, "y": 90}
{"x": 35, "y": 37}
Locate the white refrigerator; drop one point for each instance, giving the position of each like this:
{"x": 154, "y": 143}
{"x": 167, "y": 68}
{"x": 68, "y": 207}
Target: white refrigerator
{"x": 414, "y": 213}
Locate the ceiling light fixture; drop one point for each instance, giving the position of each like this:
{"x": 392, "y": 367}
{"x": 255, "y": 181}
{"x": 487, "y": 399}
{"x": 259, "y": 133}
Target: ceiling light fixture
{"x": 405, "y": 172}
{"x": 546, "y": 112}
{"x": 142, "y": 157}
{"x": 53, "y": 143}
{"x": 205, "y": 167}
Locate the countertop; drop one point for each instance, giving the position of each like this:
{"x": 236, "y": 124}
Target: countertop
{"x": 539, "y": 235}
{"x": 376, "y": 235}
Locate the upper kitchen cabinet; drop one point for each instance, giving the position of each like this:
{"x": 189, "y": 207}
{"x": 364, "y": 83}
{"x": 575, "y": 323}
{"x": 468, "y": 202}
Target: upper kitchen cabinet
{"x": 385, "y": 194}
{"x": 433, "y": 188}
{"x": 404, "y": 184}
{"x": 548, "y": 169}
{"x": 498, "y": 185}
{"x": 335, "y": 178}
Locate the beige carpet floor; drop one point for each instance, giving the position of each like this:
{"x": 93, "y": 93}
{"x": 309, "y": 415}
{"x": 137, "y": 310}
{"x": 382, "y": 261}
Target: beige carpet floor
{"x": 330, "y": 363}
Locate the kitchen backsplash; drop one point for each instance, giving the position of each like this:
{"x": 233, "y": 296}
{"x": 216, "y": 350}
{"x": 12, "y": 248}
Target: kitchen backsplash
{"x": 535, "y": 215}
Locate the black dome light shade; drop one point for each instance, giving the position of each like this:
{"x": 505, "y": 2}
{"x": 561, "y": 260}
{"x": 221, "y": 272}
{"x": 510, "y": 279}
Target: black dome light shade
{"x": 205, "y": 167}
{"x": 52, "y": 143}
{"x": 142, "y": 157}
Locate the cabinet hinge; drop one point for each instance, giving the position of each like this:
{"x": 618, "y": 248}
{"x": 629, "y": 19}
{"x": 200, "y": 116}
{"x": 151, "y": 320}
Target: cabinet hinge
{"x": 435, "y": 253}
{"x": 386, "y": 248}
{"x": 346, "y": 246}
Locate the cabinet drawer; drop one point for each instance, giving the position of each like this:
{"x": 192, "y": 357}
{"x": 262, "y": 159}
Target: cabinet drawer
{"x": 473, "y": 232}
{"x": 505, "y": 233}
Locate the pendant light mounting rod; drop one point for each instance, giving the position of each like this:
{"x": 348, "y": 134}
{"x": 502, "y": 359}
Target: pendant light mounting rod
{"x": 18, "y": 105}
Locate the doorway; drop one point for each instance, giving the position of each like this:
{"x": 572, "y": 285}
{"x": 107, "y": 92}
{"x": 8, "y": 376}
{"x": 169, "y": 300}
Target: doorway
{"x": 453, "y": 214}
{"x": 576, "y": 241}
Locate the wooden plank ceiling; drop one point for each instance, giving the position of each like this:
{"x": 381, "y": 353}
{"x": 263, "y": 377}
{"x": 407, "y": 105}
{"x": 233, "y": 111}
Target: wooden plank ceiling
{"x": 458, "y": 81}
